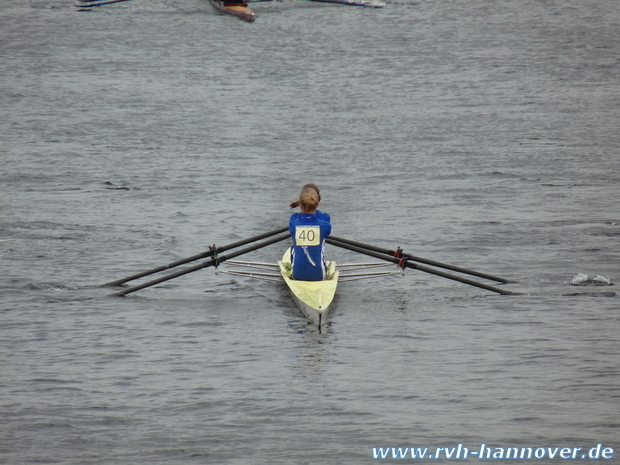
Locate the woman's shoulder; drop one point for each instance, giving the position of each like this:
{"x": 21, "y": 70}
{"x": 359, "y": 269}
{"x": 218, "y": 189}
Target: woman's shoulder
{"x": 323, "y": 216}
{"x": 300, "y": 218}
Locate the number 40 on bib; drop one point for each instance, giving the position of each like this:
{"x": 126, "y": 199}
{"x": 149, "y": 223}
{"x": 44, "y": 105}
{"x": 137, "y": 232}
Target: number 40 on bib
{"x": 307, "y": 235}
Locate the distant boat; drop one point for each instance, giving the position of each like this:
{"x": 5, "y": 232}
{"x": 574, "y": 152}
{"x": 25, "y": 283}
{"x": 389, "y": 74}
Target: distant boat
{"x": 236, "y": 8}
{"x": 352, "y": 3}
{"x": 240, "y": 9}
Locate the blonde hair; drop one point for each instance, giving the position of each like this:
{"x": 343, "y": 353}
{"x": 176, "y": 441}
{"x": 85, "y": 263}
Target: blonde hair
{"x": 312, "y": 186}
{"x": 308, "y": 199}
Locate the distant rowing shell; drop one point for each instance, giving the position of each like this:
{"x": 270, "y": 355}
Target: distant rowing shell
{"x": 352, "y": 3}
{"x": 239, "y": 10}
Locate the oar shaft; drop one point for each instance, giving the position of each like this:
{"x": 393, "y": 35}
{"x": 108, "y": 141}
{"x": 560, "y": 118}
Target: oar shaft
{"x": 415, "y": 266}
{"x": 159, "y": 269}
{"x": 166, "y": 278}
{"x": 351, "y": 3}
{"x": 90, "y": 5}
{"x": 424, "y": 260}
{"x": 215, "y": 261}
{"x": 426, "y": 269}
{"x": 208, "y": 253}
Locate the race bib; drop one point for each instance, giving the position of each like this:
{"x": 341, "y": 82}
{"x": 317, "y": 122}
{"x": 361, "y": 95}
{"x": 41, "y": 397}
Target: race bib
{"x": 307, "y": 235}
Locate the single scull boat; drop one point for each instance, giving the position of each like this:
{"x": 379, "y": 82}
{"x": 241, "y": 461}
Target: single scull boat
{"x": 314, "y": 298}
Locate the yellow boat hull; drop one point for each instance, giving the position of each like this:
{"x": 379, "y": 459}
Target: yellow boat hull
{"x": 312, "y": 297}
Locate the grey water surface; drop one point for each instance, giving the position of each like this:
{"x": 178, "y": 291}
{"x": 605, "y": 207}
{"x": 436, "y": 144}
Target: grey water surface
{"x": 482, "y": 133}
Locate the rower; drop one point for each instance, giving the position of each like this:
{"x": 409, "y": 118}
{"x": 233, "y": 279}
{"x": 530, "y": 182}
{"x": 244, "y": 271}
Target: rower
{"x": 309, "y": 229}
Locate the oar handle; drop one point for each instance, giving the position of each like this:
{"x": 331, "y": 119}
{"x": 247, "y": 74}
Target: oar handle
{"x": 216, "y": 261}
{"x": 208, "y": 253}
{"x": 403, "y": 262}
{"x": 423, "y": 260}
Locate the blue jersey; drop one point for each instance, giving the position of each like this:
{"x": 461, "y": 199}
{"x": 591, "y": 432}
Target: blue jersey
{"x": 323, "y": 216}
{"x": 308, "y": 232}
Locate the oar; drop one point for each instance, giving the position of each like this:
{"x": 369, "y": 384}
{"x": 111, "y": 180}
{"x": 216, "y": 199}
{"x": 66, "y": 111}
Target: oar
{"x": 349, "y": 2}
{"x": 216, "y": 261}
{"x": 208, "y": 253}
{"x": 398, "y": 253}
{"x": 100, "y": 3}
{"x": 404, "y": 263}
